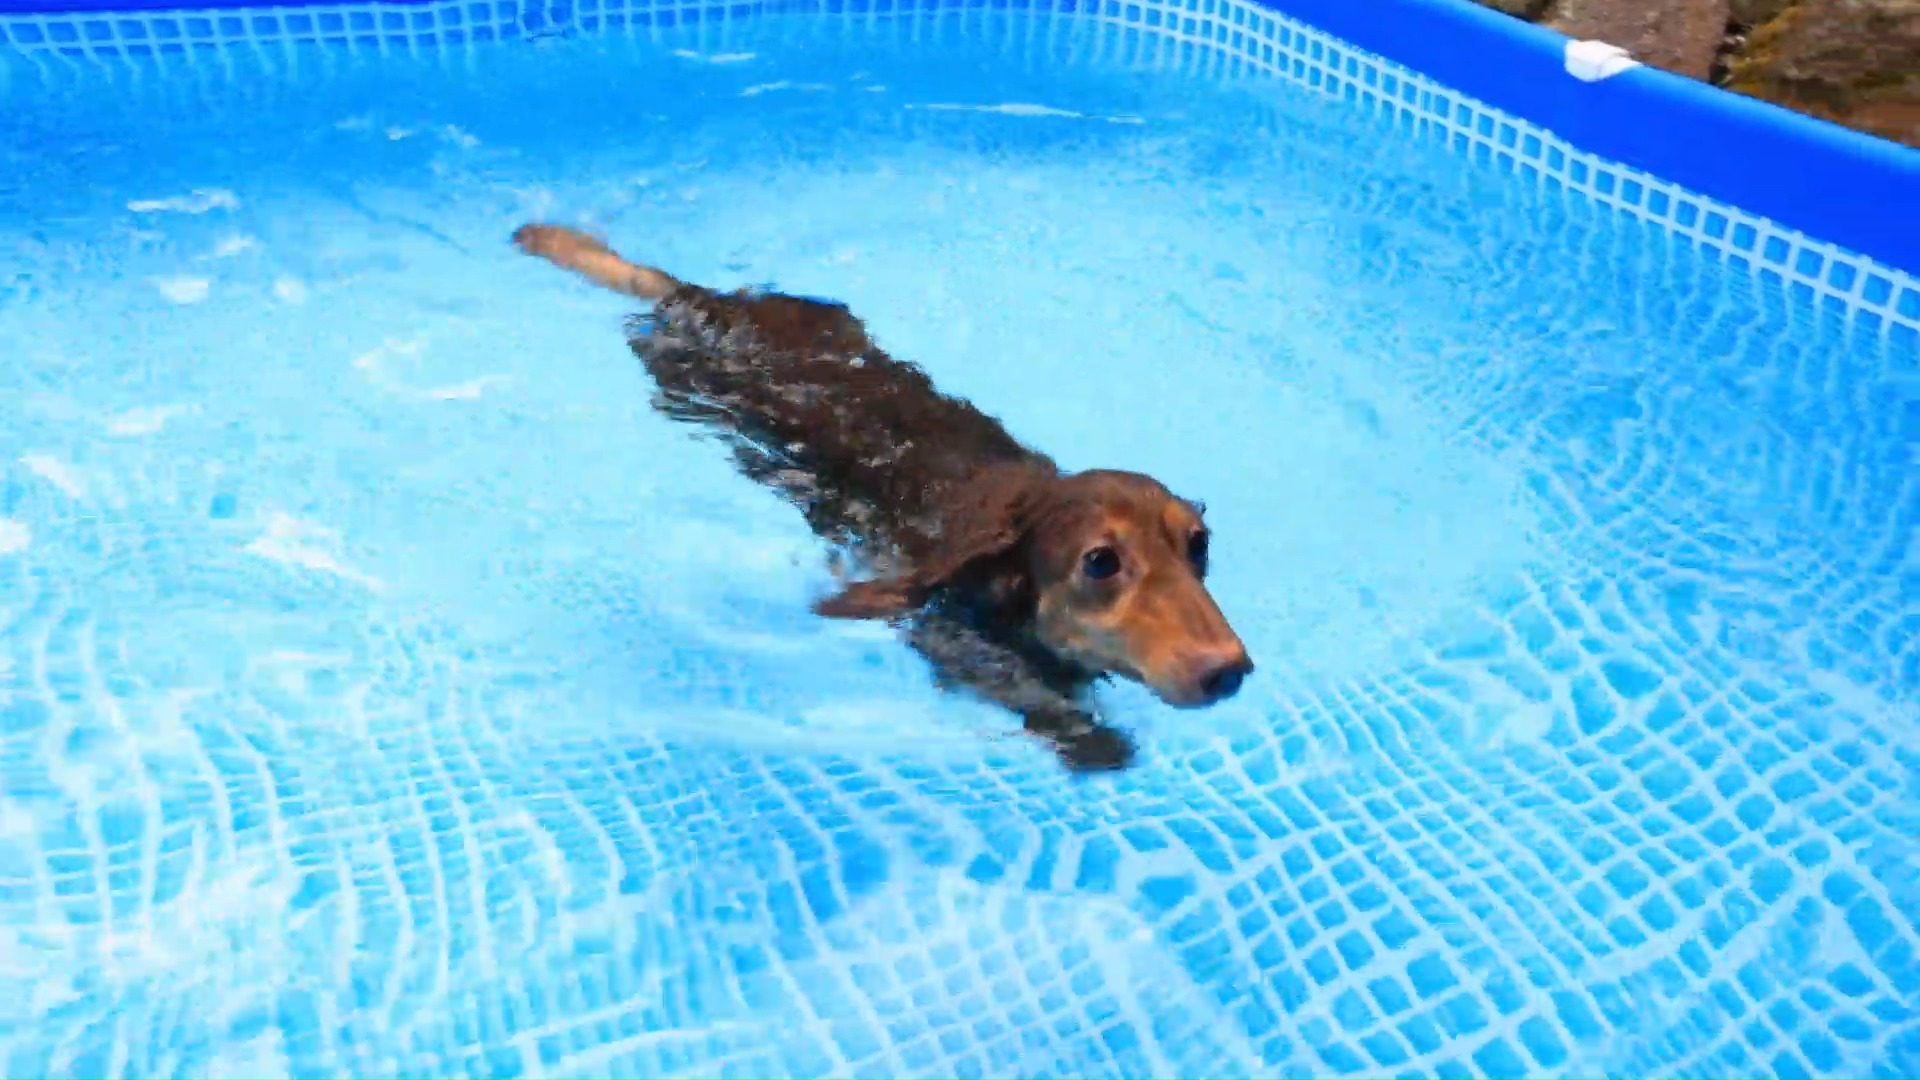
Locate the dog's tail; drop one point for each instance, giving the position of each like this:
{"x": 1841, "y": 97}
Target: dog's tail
{"x": 574, "y": 250}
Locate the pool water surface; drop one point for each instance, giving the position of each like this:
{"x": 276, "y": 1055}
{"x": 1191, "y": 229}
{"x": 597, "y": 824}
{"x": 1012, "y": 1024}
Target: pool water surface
{"x": 386, "y": 689}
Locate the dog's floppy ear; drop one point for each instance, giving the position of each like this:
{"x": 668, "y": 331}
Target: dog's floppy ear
{"x": 987, "y": 518}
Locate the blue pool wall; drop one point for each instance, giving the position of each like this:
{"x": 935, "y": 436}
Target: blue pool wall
{"x": 1855, "y": 190}
{"x": 1818, "y": 217}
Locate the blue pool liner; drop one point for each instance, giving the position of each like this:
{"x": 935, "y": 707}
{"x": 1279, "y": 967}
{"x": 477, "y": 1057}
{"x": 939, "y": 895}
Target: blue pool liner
{"x": 1825, "y": 181}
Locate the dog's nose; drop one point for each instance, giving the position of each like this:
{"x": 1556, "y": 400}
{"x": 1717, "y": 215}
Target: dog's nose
{"x": 1223, "y": 681}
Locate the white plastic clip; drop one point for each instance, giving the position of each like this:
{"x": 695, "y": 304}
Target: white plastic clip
{"x": 1591, "y": 61}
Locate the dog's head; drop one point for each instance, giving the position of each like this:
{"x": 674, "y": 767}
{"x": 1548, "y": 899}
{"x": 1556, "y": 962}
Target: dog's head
{"x": 1109, "y": 567}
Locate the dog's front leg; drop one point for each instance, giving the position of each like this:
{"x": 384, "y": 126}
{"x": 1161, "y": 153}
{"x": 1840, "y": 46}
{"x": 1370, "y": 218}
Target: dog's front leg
{"x": 1051, "y": 707}
{"x": 1081, "y": 741}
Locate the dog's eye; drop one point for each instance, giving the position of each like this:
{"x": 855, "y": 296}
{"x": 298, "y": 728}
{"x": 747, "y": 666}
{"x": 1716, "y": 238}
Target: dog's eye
{"x": 1197, "y": 550}
{"x": 1100, "y": 563}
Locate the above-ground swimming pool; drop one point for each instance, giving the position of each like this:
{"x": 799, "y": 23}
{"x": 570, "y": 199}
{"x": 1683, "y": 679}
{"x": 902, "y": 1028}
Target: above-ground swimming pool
{"x": 386, "y": 689}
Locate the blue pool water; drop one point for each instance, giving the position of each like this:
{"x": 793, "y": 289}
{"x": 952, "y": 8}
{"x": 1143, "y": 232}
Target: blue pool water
{"x": 386, "y": 690}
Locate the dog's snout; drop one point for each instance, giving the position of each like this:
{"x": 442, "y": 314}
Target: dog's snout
{"x": 1223, "y": 679}
{"x": 1207, "y": 678}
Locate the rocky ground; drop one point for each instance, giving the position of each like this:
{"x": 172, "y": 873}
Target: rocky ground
{"x": 1855, "y": 62}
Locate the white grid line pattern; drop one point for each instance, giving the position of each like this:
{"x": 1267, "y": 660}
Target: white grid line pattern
{"x": 1317, "y": 882}
{"x": 103, "y": 35}
{"x": 1228, "y": 38}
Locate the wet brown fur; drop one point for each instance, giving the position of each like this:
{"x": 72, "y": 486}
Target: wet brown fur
{"x": 979, "y": 539}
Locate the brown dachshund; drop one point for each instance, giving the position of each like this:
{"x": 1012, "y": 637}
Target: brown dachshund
{"x": 1016, "y": 581}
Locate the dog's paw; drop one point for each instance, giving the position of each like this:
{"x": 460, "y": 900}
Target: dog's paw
{"x": 1098, "y": 749}
{"x": 1083, "y": 744}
